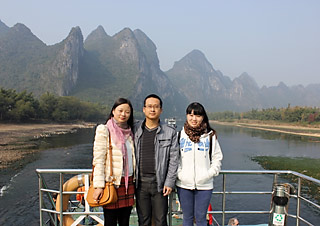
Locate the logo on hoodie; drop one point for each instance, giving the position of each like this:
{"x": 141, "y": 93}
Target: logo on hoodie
{"x": 186, "y": 145}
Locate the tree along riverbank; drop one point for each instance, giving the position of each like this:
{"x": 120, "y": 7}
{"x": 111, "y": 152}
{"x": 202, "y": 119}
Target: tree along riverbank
{"x": 18, "y": 146}
{"x": 288, "y": 128}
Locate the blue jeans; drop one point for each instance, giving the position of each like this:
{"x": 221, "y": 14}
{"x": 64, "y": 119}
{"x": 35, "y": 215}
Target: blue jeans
{"x": 194, "y": 203}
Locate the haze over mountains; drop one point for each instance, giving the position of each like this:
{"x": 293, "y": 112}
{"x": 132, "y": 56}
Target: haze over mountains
{"x": 102, "y": 68}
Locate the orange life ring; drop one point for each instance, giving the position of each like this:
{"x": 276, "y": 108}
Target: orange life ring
{"x": 70, "y": 185}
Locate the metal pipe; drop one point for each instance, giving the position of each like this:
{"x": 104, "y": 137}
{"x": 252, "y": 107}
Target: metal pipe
{"x": 298, "y": 202}
{"x": 310, "y": 202}
{"x": 241, "y": 212}
{"x": 275, "y": 179}
{"x": 49, "y": 190}
{"x": 244, "y": 192}
{"x": 40, "y": 200}
{"x": 224, "y": 199}
{"x": 61, "y": 198}
{"x": 64, "y": 171}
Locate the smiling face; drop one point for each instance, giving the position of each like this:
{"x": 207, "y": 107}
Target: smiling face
{"x": 122, "y": 113}
{"x": 152, "y": 109}
{"x": 194, "y": 120}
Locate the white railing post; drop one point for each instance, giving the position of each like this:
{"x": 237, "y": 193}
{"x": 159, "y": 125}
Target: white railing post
{"x": 40, "y": 200}
{"x": 224, "y": 199}
{"x": 61, "y": 198}
{"x": 298, "y": 202}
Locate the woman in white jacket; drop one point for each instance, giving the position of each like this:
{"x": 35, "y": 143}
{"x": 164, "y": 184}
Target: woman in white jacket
{"x": 119, "y": 125}
{"x": 200, "y": 162}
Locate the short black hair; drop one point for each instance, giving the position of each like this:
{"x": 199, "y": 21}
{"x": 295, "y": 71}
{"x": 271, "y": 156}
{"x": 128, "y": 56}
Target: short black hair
{"x": 152, "y": 96}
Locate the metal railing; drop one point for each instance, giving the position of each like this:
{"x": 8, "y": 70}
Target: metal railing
{"x": 53, "y": 214}
{"x": 276, "y": 174}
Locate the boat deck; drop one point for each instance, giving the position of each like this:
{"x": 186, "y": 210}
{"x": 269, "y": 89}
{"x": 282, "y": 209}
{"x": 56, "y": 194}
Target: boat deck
{"x": 302, "y": 204}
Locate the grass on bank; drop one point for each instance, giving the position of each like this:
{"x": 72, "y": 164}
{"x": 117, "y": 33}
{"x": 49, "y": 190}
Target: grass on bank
{"x": 273, "y": 123}
{"x": 306, "y": 166}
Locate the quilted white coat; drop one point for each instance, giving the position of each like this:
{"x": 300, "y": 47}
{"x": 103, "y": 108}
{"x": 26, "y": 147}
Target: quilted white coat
{"x": 101, "y": 161}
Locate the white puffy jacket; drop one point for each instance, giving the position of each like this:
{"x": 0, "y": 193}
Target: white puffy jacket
{"x": 101, "y": 163}
{"x": 195, "y": 170}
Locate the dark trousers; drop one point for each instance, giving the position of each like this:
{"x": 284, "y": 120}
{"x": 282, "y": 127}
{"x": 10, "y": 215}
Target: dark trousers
{"x": 151, "y": 204}
{"x": 120, "y": 216}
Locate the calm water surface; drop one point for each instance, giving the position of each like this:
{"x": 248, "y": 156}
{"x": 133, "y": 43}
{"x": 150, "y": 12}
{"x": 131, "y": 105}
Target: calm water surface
{"x": 19, "y": 197}
{"x": 239, "y": 145}
{"x": 19, "y": 202}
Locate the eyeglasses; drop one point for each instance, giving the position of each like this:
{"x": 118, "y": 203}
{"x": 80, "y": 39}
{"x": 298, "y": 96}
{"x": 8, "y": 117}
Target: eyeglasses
{"x": 152, "y": 106}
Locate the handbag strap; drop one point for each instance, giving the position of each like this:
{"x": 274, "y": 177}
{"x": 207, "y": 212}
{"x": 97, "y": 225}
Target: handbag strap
{"x": 110, "y": 153}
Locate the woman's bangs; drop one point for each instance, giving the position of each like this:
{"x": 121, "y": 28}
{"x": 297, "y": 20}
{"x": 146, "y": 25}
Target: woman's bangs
{"x": 196, "y": 108}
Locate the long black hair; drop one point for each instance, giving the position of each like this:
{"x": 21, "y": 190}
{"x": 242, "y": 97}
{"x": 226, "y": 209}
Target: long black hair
{"x": 119, "y": 102}
{"x": 198, "y": 109}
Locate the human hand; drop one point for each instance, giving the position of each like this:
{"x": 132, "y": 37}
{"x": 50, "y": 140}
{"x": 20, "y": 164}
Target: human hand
{"x": 166, "y": 191}
{"x": 97, "y": 194}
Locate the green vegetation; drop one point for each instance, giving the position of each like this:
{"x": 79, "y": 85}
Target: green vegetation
{"x": 306, "y": 166}
{"x": 22, "y": 107}
{"x": 102, "y": 76}
{"x": 25, "y": 62}
{"x": 301, "y": 115}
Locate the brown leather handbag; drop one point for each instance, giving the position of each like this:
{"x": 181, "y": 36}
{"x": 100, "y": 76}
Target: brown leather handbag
{"x": 109, "y": 192}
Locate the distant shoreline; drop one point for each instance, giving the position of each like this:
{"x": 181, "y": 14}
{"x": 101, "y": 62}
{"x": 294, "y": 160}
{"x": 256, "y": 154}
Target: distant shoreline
{"x": 273, "y": 127}
{"x": 15, "y": 140}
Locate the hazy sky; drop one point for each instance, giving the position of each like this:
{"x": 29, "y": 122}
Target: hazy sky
{"x": 271, "y": 40}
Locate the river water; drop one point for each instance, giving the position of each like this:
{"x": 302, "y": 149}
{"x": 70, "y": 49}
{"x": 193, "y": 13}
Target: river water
{"x": 19, "y": 204}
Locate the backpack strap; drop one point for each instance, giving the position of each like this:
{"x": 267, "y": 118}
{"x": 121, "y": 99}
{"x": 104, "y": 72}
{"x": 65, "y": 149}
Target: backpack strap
{"x": 179, "y": 135}
{"x": 210, "y": 147}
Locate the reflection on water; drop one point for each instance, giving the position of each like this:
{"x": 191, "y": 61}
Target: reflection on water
{"x": 258, "y": 142}
{"x": 268, "y": 135}
{"x": 19, "y": 204}
{"x": 81, "y": 136}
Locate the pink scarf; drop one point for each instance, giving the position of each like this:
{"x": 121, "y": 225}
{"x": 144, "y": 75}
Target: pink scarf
{"x": 119, "y": 137}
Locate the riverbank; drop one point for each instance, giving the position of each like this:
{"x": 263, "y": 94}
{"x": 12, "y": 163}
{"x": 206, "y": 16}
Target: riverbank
{"x": 272, "y": 126}
{"x": 306, "y": 166}
{"x": 17, "y": 144}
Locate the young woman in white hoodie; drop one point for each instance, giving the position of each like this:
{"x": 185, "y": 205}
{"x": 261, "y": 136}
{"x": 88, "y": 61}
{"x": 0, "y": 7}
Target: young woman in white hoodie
{"x": 200, "y": 162}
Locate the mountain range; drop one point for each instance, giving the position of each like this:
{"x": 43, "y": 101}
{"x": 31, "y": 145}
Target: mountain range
{"x": 102, "y": 68}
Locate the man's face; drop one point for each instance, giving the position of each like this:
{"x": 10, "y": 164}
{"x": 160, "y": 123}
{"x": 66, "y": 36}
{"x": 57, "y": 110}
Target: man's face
{"x": 152, "y": 109}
